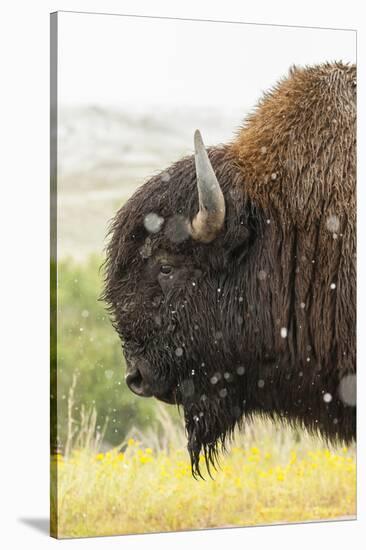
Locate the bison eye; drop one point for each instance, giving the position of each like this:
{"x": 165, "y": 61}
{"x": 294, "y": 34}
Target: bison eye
{"x": 166, "y": 269}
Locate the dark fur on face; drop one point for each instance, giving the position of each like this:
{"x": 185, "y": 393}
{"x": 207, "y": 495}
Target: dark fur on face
{"x": 251, "y": 322}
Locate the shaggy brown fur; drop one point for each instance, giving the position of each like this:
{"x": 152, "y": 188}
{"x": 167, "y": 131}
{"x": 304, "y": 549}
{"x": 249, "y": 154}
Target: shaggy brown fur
{"x": 297, "y": 154}
{"x": 209, "y": 335}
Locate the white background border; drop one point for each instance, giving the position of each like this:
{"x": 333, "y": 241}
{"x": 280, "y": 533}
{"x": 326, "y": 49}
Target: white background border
{"x": 24, "y": 180}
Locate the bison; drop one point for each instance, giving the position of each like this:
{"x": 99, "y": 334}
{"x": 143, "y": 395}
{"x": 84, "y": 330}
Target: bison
{"x": 230, "y": 276}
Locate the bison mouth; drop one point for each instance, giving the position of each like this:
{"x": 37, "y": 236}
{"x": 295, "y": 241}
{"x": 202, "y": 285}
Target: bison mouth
{"x": 169, "y": 398}
{"x": 139, "y": 383}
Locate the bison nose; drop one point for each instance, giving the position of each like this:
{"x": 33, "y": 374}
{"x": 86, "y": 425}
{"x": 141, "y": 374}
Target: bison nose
{"x": 137, "y": 384}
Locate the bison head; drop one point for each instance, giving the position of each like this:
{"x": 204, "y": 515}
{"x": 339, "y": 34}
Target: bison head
{"x": 176, "y": 289}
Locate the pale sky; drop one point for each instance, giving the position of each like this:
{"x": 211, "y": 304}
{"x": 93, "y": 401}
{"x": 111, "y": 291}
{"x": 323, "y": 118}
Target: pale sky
{"x": 110, "y": 60}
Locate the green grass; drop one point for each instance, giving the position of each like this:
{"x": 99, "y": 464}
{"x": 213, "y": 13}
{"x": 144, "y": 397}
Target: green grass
{"x": 88, "y": 348}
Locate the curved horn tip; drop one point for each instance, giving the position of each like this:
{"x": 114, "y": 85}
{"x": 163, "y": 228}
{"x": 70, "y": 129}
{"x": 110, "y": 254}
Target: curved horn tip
{"x": 211, "y": 214}
{"x": 198, "y": 141}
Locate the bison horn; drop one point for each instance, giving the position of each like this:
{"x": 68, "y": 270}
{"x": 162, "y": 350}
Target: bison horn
{"x": 211, "y": 214}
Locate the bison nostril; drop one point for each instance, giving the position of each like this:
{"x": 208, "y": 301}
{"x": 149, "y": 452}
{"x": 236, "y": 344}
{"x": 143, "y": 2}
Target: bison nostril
{"x": 136, "y": 383}
{"x": 134, "y": 380}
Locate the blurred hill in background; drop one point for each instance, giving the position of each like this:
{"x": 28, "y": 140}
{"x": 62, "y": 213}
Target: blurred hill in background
{"x": 105, "y": 154}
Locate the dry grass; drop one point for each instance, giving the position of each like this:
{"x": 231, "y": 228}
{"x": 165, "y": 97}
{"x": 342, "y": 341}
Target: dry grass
{"x": 145, "y": 485}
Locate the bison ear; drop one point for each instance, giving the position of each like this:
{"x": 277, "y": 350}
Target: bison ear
{"x": 211, "y": 213}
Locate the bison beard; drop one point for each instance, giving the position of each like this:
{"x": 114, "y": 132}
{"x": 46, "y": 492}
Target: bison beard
{"x": 208, "y": 426}
{"x": 210, "y": 422}
{"x": 242, "y": 300}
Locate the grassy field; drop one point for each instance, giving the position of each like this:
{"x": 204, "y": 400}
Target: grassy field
{"x": 88, "y": 347}
{"x": 268, "y": 476}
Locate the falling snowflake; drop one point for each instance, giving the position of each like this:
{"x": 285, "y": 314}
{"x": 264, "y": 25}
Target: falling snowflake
{"x": 327, "y": 397}
{"x": 165, "y": 176}
{"x": 283, "y": 332}
{"x": 347, "y": 390}
{"x": 187, "y": 387}
{"x": 153, "y": 222}
{"x": 179, "y": 352}
{"x": 333, "y": 224}
{"x": 157, "y": 320}
{"x": 177, "y": 229}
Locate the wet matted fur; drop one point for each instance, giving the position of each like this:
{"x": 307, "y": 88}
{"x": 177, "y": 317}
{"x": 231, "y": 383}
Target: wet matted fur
{"x": 263, "y": 318}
